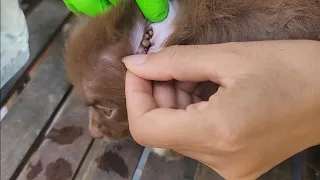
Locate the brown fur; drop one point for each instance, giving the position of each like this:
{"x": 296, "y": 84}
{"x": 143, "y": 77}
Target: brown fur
{"x": 97, "y": 79}
{"x": 219, "y": 21}
{"x": 100, "y": 81}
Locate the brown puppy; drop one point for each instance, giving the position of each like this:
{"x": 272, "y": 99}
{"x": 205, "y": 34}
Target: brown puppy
{"x": 96, "y": 46}
{"x": 93, "y": 61}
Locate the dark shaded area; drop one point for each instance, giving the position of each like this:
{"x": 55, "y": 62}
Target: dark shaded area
{"x": 205, "y": 89}
{"x": 59, "y": 170}
{"x": 282, "y": 171}
{"x": 189, "y": 168}
{"x": 65, "y": 135}
{"x": 313, "y": 166}
{"x": 34, "y": 170}
{"x": 28, "y": 5}
{"x": 302, "y": 166}
{"x": 111, "y": 161}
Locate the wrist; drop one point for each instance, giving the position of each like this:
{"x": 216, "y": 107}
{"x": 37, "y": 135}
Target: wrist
{"x": 317, "y": 126}
{"x": 298, "y": 66}
{"x": 305, "y": 60}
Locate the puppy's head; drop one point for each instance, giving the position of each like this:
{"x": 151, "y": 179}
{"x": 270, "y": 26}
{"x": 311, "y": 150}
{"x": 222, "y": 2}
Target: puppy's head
{"x": 94, "y": 51}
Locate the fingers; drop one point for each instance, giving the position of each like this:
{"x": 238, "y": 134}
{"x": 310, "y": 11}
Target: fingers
{"x": 171, "y": 94}
{"x": 185, "y": 95}
{"x": 186, "y": 63}
{"x": 154, "y": 126}
{"x": 139, "y": 97}
{"x": 188, "y": 87}
{"x": 151, "y": 121}
{"x": 164, "y": 94}
{"x": 166, "y": 128}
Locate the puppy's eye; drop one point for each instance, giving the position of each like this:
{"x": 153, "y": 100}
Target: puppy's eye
{"x": 109, "y": 112}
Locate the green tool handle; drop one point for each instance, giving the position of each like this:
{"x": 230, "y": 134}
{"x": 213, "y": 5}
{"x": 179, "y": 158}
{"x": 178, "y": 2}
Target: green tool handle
{"x": 88, "y": 7}
{"x": 153, "y": 10}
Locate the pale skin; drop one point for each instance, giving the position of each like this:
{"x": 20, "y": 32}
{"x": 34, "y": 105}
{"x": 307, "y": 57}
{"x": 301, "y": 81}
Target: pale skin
{"x": 266, "y": 109}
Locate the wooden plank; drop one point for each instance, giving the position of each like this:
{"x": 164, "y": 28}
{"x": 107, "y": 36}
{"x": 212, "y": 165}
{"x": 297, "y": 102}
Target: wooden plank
{"x": 142, "y": 161}
{"x": 313, "y": 163}
{"x": 283, "y": 171}
{"x": 43, "y": 22}
{"x": 206, "y": 173}
{"x": 190, "y": 169}
{"x": 33, "y": 109}
{"x": 158, "y": 168}
{"x": 299, "y": 166}
{"x": 110, "y": 161}
{"x": 64, "y": 145}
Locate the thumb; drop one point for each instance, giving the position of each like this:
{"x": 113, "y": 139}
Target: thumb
{"x": 186, "y": 63}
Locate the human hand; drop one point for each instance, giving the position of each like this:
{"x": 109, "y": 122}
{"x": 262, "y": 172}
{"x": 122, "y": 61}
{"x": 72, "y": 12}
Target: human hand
{"x": 266, "y": 109}
{"x": 153, "y": 10}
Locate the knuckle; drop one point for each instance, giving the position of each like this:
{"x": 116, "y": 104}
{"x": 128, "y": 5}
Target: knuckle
{"x": 177, "y": 59}
{"x": 228, "y": 139}
{"x": 173, "y": 52}
{"x": 170, "y": 58}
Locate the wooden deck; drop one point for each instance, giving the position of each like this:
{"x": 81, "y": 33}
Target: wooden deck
{"x": 45, "y": 134}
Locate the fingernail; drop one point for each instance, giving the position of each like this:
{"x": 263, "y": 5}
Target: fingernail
{"x": 134, "y": 59}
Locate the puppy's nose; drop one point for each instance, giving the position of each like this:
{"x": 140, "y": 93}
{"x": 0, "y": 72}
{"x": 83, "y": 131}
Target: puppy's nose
{"x": 94, "y": 131}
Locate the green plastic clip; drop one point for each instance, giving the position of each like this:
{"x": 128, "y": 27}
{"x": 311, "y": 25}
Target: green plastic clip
{"x": 153, "y": 10}
{"x": 88, "y": 7}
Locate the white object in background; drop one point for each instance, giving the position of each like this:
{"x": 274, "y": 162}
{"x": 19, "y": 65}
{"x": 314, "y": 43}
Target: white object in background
{"x": 3, "y": 112}
{"x": 14, "y": 40}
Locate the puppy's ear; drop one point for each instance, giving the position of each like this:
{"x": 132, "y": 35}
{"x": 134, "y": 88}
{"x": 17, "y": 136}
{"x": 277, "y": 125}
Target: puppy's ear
{"x": 93, "y": 126}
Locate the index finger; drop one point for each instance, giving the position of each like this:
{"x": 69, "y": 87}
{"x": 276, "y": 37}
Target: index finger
{"x": 194, "y": 63}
